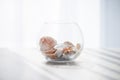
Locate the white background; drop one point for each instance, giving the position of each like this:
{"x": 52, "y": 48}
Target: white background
{"x": 20, "y": 20}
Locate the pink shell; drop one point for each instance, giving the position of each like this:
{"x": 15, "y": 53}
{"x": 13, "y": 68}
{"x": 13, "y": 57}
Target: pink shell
{"x": 78, "y": 46}
{"x": 47, "y": 43}
{"x": 68, "y": 44}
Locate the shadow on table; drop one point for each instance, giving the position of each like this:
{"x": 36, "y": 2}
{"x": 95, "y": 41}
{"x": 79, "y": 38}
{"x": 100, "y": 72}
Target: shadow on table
{"x": 71, "y": 63}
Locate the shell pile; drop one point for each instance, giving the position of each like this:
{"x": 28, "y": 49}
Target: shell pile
{"x": 52, "y": 50}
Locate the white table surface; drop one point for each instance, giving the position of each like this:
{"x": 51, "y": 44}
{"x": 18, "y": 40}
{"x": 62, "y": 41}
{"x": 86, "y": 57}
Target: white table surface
{"x": 29, "y": 64}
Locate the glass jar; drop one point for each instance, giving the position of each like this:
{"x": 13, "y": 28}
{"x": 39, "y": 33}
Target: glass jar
{"x": 60, "y": 42}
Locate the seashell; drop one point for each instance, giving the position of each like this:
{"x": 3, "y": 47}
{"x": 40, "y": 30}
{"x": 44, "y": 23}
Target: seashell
{"x": 47, "y": 43}
{"x": 66, "y": 56}
{"x": 52, "y": 56}
{"x": 78, "y": 46}
{"x": 60, "y": 46}
{"x": 52, "y": 51}
{"x": 68, "y": 43}
{"x": 67, "y": 50}
{"x": 59, "y": 53}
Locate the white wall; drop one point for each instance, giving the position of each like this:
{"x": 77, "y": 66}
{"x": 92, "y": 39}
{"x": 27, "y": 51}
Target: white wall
{"x": 11, "y": 16}
{"x": 20, "y": 20}
{"x": 85, "y": 12}
{"x": 110, "y": 23}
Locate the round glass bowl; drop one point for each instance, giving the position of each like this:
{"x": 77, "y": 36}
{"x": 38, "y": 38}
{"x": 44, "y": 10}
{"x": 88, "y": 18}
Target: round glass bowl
{"x": 60, "y": 42}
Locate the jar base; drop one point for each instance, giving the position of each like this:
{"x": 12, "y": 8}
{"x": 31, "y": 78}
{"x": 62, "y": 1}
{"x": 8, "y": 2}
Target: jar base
{"x": 59, "y": 60}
